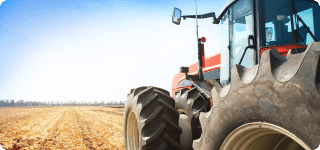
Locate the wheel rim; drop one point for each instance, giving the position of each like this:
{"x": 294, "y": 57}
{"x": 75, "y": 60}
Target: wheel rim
{"x": 186, "y": 135}
{"x": 132, "y": 132}
{"x": 262, "y": 136}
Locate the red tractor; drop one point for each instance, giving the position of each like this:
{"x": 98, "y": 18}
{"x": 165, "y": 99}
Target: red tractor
{"x": 261, "y": 92}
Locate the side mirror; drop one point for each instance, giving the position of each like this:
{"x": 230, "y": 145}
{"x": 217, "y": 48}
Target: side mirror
{"x": 269, "y": 33}
{"x": 176, "y": 16}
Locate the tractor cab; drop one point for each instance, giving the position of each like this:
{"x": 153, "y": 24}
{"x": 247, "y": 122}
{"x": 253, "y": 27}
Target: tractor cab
{"x": 265, "y": 24}
{"x": 249, "y": 27}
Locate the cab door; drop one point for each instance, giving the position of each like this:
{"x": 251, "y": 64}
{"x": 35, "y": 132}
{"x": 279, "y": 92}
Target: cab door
{"x": 236, "y": 27}
{"x": 241, "y": 27}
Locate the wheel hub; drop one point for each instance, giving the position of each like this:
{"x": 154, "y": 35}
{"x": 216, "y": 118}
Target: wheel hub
{"x": 132, "y": 132}
{"x": 262, "y": 136}
{"x": 186, "y": 136}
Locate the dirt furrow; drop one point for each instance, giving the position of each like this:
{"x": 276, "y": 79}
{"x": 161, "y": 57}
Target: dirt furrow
{"x": 26, "y": 131}
{"x": 113, "y": 120}
{"x": 101, "y": 132}
{"x": 61, "y": 128}
{"x": 12, "y": 115}
{"x": 66, "y": 134}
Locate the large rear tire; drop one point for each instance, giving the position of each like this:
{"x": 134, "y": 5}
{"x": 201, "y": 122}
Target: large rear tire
{"x": 271, "y": 106}
{"x": 150, "y": 120}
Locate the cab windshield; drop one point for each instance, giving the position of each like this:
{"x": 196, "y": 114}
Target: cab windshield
{"x": 279, "y": 22}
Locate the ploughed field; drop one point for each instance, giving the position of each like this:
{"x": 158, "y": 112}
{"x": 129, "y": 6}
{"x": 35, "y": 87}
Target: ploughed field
{"x": 61, "y": 128}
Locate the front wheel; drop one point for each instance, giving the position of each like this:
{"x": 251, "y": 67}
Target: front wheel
{"x": 150, "y": 120}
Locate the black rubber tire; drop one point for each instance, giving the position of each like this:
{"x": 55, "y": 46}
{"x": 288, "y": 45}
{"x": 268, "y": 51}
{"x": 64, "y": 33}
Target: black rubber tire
{"x": 156, "y": 118}
{"x": 281, "y": 90}
{"x": 191, "y": 103}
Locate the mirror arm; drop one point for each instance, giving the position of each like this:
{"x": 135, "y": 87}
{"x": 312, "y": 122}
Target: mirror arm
{"x": 212, "y": 14}
{"x": 217, "y": 20}
{"x": 200, "y": 16}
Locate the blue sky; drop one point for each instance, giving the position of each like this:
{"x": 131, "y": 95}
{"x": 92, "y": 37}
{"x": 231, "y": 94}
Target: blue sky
{"x": 97, "y": 50}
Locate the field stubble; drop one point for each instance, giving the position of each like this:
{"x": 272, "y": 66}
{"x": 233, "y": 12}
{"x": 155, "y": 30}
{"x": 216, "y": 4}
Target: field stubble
{"x": 61, "y": 128}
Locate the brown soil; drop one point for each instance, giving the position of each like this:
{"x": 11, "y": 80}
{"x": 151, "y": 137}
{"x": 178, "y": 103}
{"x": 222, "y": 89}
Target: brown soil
{"x": 61, "y": 128}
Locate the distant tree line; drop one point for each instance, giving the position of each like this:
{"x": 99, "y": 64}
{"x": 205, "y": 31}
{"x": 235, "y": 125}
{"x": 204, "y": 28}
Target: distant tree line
{"x": 22, "y": 103}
